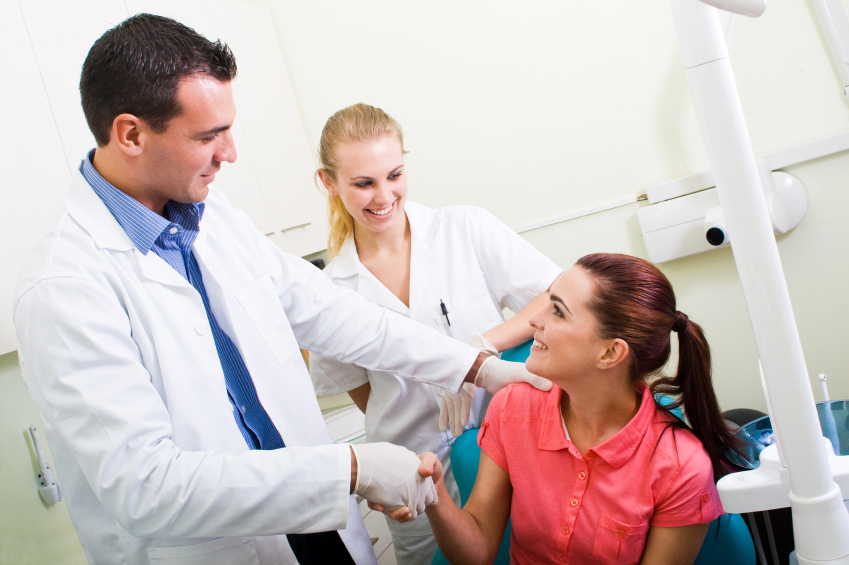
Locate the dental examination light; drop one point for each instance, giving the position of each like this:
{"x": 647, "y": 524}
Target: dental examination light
{"x": 820, "y": 518}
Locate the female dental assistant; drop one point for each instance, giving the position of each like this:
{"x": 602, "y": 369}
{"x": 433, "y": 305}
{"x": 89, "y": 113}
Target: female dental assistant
{"x": 453, "y": 269}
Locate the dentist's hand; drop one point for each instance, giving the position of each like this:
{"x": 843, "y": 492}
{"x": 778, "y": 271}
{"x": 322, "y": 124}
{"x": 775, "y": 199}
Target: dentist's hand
{"x": 430, "y": 468}
{"x": 455, "y": 409}
{"x": 388, "y": 475}
{"x": 495, "y": 373}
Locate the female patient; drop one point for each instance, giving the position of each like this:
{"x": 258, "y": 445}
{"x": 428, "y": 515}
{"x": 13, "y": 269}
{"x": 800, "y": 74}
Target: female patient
{"x": 594, "y": 471}
{"x": 415, "y": 261}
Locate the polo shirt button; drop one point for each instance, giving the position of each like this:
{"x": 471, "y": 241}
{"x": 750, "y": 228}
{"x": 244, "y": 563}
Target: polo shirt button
{"x": 582, "y": 475}
{"x": 567, "y": 530}
{"x": 574, "y": 502}
{"x": 705, "y": 497}
{"x": 622, "y": 533}
{"x": 200, "y": 328}
{"x": 172, "y": 231}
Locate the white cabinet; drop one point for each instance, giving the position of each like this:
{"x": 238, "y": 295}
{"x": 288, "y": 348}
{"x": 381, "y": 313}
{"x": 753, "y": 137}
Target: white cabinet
{"x": 61, "y": 34}
{"x": 274, "y": 141}
{"x": 46, "y": 135}
{"x": 35, "y": 171}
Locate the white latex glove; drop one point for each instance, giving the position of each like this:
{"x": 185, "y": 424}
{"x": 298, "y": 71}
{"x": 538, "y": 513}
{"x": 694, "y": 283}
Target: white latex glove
{"x": 388, "y": 474}
{"x": 455, "y": 409}
{"x": 495, "y": 373}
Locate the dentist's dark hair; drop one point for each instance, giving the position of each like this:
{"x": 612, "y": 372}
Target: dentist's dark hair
{"x": 135, "y": 68}
{"x": 634, "y": 301}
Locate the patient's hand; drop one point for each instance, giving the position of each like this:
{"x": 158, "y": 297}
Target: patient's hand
{"x": 430, "y": 467}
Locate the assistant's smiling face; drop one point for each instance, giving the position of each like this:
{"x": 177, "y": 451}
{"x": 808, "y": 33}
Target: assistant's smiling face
{"x": 371, "y": 182}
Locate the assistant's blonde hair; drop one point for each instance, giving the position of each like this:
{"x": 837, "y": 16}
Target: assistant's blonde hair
{"x": 359, "y": 122}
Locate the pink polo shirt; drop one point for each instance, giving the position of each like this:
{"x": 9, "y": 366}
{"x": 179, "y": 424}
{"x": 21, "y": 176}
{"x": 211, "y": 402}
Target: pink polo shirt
{"x": 595, "y": 509}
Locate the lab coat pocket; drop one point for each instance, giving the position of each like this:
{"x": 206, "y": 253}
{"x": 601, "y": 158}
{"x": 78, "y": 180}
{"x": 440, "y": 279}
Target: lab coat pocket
{"x": 619, "y": 543}
{"x": 260, "y": 301}
{"x": 222, "y": 551}
{"x": 476, "y": 317}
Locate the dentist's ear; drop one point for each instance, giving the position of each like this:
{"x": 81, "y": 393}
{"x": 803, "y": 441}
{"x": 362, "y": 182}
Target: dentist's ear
{"x": 617, "y": 351}
{"x": 128, "y": 133}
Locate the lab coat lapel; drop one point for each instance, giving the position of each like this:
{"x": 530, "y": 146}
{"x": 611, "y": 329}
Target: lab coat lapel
{"x": 346, "y": 266}
{"x": 423, "y": 260}
{"x": 89, "y": 211}
{"x": 154, "y": 268}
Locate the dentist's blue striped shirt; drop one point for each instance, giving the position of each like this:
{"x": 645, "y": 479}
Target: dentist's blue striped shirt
{"x": 172, "y": 240}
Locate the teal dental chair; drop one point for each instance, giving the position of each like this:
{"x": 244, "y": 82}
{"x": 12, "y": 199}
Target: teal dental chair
{"x": 728, "y": 540}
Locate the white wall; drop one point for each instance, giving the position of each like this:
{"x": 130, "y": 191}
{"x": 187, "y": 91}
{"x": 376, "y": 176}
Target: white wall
{"x": 539, "y": 109}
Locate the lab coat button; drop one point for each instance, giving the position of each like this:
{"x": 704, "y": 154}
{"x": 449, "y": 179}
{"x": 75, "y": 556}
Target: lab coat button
{"x": 200, "y": 328}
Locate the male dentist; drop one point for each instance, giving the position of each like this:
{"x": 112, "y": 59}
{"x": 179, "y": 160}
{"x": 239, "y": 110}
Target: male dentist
{"x": 159, "y": 331}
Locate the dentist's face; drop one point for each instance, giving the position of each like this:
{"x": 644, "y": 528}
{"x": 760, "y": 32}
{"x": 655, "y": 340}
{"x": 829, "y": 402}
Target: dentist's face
{"x": 182, "y": 161}
{"x": 372, "y": 183}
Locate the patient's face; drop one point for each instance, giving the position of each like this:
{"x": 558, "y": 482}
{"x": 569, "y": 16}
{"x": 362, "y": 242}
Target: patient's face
{"x": 372, "y": 183}
{"x": 567, "y": 345}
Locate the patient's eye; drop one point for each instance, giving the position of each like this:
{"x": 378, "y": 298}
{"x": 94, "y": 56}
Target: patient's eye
{"x": 557, "y": 311}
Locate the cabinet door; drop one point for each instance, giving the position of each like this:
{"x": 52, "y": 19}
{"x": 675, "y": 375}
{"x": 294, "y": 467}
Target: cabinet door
{"x": 35, "y": 171}
{"x": 274, "y": 136}
{"x": 62, "y": 34}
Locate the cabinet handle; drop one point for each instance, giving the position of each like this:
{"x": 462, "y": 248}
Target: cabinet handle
{"x": 284, "y": 230}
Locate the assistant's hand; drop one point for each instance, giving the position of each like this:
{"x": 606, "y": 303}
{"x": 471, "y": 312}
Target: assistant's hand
{"x": 455, "y": 409}
{"x": 496, "y": 373}
{"x": 388, "y": 475}
{"x": 430, "y": 468}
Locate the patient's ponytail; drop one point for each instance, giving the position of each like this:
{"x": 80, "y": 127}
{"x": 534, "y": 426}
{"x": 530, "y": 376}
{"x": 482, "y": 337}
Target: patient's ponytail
{"x": 693, "y": 386}
{"x": 634, "y": 301}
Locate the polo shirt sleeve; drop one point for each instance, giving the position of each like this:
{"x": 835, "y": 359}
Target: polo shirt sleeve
{"x": 690, "y": 497}
{"x": 516, "y": 271}
{"x": 489, "y": 436}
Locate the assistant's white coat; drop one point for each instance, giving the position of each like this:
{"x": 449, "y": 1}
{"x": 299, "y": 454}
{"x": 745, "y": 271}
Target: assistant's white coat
{"x": 477, "y": 266}
{"x": 118, "y": 355}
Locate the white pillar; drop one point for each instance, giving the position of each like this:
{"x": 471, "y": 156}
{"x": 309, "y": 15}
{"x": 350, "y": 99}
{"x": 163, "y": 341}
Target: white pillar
{"x": 820, "y": 520}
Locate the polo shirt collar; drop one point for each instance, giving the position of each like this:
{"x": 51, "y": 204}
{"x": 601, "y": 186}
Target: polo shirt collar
{"x": 615, "y": 451}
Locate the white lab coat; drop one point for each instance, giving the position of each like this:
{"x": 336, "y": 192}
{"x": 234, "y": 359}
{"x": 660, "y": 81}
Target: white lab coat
{"x": 476, "y": 265}
{"x": 118, "y": 355}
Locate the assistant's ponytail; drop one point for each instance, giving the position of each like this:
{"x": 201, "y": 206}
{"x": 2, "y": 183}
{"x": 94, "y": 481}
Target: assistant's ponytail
{"x": 634, "y": 301}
